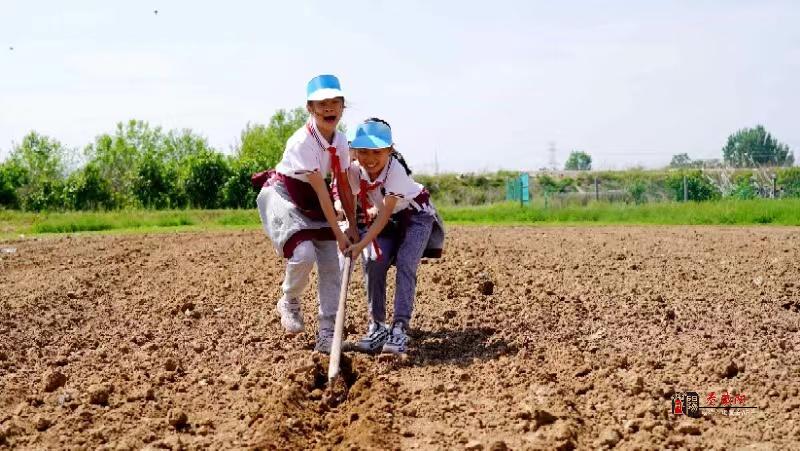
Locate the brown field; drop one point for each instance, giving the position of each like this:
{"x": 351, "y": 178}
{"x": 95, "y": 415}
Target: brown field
{"x": 172, "y": 341}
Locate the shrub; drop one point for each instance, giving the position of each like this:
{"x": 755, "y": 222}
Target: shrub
{"x": 206, "y": 173}
{"x": 699, "y": 186}
{"x": 789, "y": 181}
{"x": 744, "y": 186}
{"x": 88, "y": 190}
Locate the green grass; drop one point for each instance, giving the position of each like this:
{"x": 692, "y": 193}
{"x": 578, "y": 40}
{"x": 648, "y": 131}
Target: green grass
{"x": 13, "y": 223}
{"x": 724, "y": 212}
{"x": 96, "y": 221}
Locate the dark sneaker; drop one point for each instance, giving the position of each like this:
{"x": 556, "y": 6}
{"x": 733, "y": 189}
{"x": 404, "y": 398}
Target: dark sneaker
{"x": 324, "y": 341}
{"x": 398, "y": 339}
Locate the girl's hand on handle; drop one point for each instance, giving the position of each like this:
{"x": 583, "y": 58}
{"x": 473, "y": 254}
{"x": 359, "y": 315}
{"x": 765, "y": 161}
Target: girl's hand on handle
{"x": 357, "y": 248}
{"x": 342, "y": 240}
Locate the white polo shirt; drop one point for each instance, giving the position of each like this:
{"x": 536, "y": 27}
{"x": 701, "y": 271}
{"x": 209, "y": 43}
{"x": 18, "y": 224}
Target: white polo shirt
{"x": 395, "y": 182}
{"x": 304, "y": 155}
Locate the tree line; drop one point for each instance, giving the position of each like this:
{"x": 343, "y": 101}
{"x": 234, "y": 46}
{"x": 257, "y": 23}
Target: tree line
{"x": 141, "y": 166}
{"x": 746, "y": 148}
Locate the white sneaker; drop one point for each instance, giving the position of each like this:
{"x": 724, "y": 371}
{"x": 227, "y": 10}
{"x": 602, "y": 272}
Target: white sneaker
{"x": 375, "y": 338}
{"x": 398, "y": 339}
{"x": 291, "y": 315}
{"x": 324, "y": 341}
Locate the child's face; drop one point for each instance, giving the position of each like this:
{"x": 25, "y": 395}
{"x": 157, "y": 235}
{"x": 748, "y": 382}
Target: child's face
{"x": 373, "y": 160}
{"x": 327, "y": 112}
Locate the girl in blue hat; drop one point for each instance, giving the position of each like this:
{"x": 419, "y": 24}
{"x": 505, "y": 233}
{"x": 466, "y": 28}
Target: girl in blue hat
{"x": 297, "y": 212}
{"x": 400, "y": 226}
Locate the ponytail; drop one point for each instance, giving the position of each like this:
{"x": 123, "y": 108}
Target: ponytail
{"x": 397, "y": 155}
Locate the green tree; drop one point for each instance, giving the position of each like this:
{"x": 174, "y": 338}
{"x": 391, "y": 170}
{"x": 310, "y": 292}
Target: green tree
{"x": 680, "y": 161}
{"x": 206, "y": 173}
{"x": 578, "y": 161}
{"x": 237, "y": 192}
{"x": 751, "y": 147}
{"x": 118, "y": 156}
{"x": 11, "y": 178}
{"x": 156, "y": 183}
{"x": 39, "y": 169}
{"x": 176, "y": 146}
{"x": 86, "y": 189}
{"x": 47, "y": 195}
{"x": 262, "y": 145}
{"x": 39, "y": 157}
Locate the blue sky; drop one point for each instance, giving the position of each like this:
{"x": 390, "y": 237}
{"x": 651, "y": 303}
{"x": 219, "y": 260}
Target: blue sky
{"x": 482, "y": 85}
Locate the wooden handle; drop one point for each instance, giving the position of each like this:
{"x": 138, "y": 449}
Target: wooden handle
{"x": 338, "y": 329}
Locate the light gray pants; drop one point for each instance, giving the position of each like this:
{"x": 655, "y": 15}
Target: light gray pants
{"x": 298, "y": 269}
{"x": 281, "y": 220}
{"x": 406, "y": 254}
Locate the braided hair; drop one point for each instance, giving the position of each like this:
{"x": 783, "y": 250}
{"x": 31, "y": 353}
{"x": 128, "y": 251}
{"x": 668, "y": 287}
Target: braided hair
{"x": 397, "y": 155}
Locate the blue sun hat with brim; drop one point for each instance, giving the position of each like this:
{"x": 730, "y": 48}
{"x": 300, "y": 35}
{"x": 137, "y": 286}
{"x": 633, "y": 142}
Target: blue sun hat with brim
{"x": 372, "y": 135}
{"x": 324, "y": 87}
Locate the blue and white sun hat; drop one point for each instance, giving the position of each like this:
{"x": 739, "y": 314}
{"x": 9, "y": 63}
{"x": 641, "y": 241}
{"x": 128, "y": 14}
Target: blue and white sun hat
{"x": 372, "y": 135}
{"x": 324, "y": 87}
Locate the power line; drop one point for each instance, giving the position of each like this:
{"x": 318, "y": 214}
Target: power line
{"x": 552, "y": 150}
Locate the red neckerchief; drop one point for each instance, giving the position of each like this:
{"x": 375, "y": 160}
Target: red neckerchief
{"x": 365, "y": 188}
{"x": 336, "y": 166}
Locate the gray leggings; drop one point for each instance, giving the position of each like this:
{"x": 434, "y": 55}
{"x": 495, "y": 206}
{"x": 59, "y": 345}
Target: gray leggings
{"x": 406, "y": 255}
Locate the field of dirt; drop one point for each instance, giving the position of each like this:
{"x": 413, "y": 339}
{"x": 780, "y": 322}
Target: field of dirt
{"x": 523, "y": 338}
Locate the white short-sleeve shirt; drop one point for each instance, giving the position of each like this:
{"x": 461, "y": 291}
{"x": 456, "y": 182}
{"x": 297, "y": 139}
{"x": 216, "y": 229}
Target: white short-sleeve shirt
{"x": 304, "y": 154}
{"x": 395, "y": 182}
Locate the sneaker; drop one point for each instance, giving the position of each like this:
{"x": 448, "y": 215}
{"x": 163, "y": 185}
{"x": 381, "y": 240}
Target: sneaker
{"x": 398, "y": 340}
{"x": 291, "y": 316}
{"x": 324, "y": 341}
{"x": 373, "y": 341}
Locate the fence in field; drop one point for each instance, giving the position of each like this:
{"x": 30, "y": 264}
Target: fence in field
{"x": 581, "y": 188}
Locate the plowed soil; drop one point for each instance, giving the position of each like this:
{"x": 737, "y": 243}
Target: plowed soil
{"x": 523, "y": 338}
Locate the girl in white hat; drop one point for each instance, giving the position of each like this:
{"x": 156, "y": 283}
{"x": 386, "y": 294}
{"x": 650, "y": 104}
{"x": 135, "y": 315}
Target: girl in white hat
{"x": 297, "y": 212}
{"x": 400, "y": 227}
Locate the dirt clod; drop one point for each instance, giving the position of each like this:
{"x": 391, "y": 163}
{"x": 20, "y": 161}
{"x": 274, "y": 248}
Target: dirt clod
{"x": 170, "y": 364}
{"x": 54, "y": 380}
{"x": 42, "y": 423}
{"x": 99, "y": 393}
{"x": 730, "y": 370}
{"x": 689, "y": 427}
{"x": 609, "y": 438}
{"x": 178, "y": 419}
{"x": 543, "y": 418}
